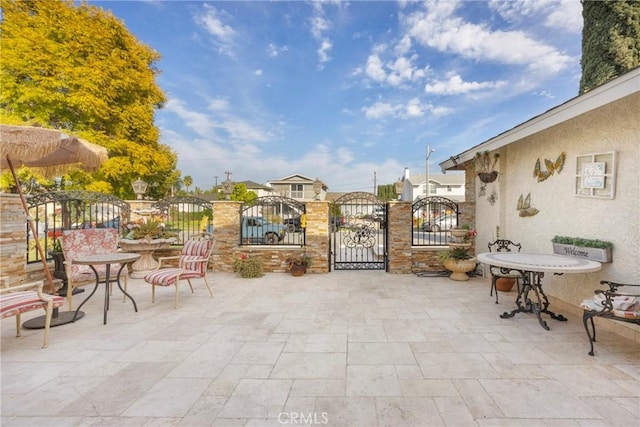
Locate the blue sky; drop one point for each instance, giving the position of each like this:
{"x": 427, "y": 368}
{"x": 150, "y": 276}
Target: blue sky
{"x": 345, "y": 91}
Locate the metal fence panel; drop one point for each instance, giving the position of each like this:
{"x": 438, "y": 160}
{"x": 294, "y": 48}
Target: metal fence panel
{"x": 432, "y": 218}
{"x": 273, "y": 220}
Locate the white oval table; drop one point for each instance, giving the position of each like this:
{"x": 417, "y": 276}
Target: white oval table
{"x": 532, "y": 268}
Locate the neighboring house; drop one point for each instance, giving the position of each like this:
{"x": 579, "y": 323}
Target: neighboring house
{"x": 544, "y": 158}
{"x": 259, "y": 189}
{"x": 298, "y": 187}
{"x": 449, "y": 185}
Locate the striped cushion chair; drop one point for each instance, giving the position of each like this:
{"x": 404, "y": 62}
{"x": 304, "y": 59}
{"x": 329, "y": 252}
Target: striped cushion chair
{"x": 16, "y": 300}
{"x": 192, "y": 264}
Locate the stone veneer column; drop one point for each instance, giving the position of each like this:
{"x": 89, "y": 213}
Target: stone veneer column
{"x": 317, "y": 236}
{"x": 399, "y": 237}
{"x": 13, "y": 240}
{"x": 226, "y": 229}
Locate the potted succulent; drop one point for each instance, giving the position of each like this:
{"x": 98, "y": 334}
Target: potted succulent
{"x": 298, "y": 264}
{"x": 248, "y": 266}
{"x": 485, "y": 166}
{"x": 593, "y": 249}
{"x": 459, "y": 261}
{"x": 145, "y": 238}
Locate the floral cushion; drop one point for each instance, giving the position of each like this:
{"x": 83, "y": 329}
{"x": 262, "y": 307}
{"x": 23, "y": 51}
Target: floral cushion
{"x": 94, "y": 241}
{"x": 624, "y": 306}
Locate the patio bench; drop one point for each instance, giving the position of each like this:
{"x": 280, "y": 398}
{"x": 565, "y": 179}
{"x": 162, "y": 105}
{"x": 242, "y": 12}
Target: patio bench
{"x": 611, "y": 304}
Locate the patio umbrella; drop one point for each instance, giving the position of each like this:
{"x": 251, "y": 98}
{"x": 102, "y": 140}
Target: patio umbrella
{"x": 51, "y": 152}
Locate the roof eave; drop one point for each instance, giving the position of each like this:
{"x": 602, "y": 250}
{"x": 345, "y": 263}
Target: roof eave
{"x": 623, "y": 86}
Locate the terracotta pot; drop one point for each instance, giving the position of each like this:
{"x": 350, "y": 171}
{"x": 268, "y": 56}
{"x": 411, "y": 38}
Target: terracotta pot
{"x": 298, "y": 270}
{"x": 505, "y": 284}
{"x": 459, "y": 268}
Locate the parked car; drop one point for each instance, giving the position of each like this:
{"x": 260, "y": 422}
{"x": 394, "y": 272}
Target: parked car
{"x": 292, "y": 224}
{"x": 335, "y": 222}
{"x": 441, "y": 223}
{"x": 258, "y": 229}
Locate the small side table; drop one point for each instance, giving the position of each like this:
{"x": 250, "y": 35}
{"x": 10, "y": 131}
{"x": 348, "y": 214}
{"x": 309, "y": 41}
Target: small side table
{"x": 122, "y": 258}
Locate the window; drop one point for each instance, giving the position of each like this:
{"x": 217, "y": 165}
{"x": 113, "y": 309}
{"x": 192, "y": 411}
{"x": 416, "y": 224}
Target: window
{"x": 297, "y": 191}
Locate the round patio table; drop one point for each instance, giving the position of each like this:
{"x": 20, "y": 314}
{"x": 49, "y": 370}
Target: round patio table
{"x": 532, "y": 267}
{"x": 122, "y": 258}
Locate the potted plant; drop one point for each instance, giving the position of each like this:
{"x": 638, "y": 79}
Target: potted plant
{"x": 593, "y": 249}
{"x": 298, "y": 264}
{"x": 503, "y": 284}
{"x": 145, "y": 238}
{"x": 485, "y": 166}
{"x": 459, "y": 261}
{"x": 248, "y": 266}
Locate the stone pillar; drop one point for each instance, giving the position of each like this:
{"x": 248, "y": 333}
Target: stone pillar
{"x": 226, "y": 230}
{"x": 317, "y": 235}
{"x": 13, "y": 240}
{"x": 399, "y": 237}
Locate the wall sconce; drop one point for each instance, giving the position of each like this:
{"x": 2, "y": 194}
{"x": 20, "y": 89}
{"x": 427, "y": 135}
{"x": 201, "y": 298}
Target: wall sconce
{"x": 139, "y": 188}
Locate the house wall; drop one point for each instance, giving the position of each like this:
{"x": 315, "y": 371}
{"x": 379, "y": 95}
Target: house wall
{"x": 612, "y": 127}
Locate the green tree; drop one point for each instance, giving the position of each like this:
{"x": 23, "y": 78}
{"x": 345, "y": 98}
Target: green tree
{"x": 387, "y": 192}
{"x": 610, "y": 40}
{"x": 188, "y": 181}
{"x": 79, "y": 69}
{"x": 239, "y": 193}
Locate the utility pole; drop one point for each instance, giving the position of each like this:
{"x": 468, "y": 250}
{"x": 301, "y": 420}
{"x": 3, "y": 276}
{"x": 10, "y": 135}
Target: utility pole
{"x": 374, "y": 183}
{"x": 216, "y": 178}
{"x": 429, "y": 151}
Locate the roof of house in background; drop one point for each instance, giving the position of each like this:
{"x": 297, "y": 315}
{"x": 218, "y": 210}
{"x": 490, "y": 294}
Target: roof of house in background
{"x": 297, "y": 179}
{"x": 440, "y": 178}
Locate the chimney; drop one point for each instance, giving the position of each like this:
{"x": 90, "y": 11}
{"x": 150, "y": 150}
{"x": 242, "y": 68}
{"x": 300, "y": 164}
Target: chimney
{"x": 406, "y": 174}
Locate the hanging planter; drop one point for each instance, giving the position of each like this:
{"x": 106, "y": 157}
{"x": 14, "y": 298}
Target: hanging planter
{"x": 488, "y": 177}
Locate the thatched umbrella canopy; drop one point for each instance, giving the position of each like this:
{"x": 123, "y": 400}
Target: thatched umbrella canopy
{"x": 50, "y": 151}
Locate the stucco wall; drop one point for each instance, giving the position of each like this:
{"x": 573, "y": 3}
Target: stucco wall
{"x": 614, "y": 127}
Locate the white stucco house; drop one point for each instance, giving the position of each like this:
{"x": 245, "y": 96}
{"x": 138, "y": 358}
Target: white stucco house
{"x": 579, "y": 165}
{"x": 450, "y": 185}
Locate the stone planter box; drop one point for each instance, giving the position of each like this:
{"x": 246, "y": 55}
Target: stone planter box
{"x": 594, "y": 254}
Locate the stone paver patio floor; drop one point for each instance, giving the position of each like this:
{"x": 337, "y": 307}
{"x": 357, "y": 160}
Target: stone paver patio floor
{"x": 341, "y": 349}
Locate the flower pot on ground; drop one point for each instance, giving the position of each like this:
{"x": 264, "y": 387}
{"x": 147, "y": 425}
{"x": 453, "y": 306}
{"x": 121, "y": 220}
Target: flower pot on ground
{"x": 505, "y": 284}
{"x": 458, "y": 261}
{"x": 297, "y": 265}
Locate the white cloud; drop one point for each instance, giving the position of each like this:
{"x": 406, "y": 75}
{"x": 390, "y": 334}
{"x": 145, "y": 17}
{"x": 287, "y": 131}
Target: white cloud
{"x": 394, "y": 73}
{"x": 274, "y": 50}
{"x": 438, "y": 28}
{"x": 221, "y": 126}
{"x": 413, "y": 108}
{"x": 222, "y": 33}
{"x": 565, "y": 15}
{"x": 456, "y": 86}
{"x": 323, "y": 51}
{"x": 258, "y": 72}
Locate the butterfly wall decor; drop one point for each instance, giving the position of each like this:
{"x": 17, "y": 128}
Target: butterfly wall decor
{"x": 552, "y": 167}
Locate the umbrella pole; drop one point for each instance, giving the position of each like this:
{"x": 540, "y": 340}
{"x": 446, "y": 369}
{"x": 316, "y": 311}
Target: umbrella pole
{"x": 32, "y": 226}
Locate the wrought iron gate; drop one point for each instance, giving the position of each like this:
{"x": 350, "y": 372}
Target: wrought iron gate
{"x": 358, "y": 223}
